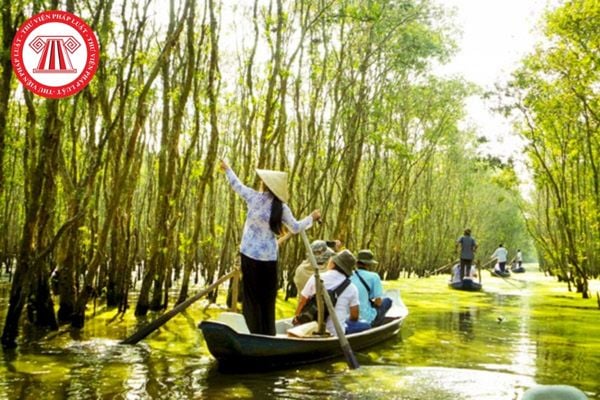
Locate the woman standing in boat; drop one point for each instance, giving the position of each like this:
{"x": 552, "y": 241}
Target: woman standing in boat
{"x": 267, "y": 212}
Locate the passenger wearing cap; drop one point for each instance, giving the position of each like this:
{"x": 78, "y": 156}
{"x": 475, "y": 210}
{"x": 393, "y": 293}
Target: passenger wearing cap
{"x": 305, "y": 270}
{"x": 266, "y": 213}
{"x": 373, "y": 306}
{"x": 339, "y": 268}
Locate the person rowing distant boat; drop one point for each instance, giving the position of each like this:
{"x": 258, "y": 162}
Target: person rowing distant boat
{"x": 501, "y": 254}
{"x": 467, "y": 246}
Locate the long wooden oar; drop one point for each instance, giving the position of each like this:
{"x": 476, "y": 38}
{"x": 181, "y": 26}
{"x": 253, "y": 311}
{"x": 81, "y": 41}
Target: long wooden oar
{"x": 160, "y": 321}
{"x": 484, "y": 266}
{"x": 440, "y": 269}
{"x": 350, "y": 358}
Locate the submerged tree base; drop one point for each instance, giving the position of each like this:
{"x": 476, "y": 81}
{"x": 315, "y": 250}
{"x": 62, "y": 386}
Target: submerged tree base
{"x": 8, "y": 343}
{"x": 141, "y": 310}
{"x": 77, "y": 320}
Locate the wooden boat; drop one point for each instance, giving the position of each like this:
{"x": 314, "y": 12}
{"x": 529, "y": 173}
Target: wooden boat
{"x": 466, "y": 284}
{"x": 238, "y": 350}
{"x": 517, "y": 269}
{"x": 496, "y": 272}
{"x": 500, "y": 274}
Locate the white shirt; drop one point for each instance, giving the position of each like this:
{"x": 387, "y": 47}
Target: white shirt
{"x": 348, "y": 298}
{"x": 501, "y": 253}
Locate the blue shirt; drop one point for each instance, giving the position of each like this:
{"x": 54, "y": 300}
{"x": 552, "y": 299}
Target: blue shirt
{"x": 258, "y": 240}
{"x": 366, "y": 311}
{"x": 467, "y": 247}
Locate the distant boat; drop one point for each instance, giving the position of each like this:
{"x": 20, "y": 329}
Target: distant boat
{"x": 496, "y": 272}
{"x": 517, "y": 270}
{"x": 466, "y": 284}
{"x": 238, "y": 350}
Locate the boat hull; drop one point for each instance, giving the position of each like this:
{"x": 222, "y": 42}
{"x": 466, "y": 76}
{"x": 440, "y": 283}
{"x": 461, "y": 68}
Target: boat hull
{"x": 466, "y": 284}
{"x": 500, "y": 274}
{"x": 239, "y": 352}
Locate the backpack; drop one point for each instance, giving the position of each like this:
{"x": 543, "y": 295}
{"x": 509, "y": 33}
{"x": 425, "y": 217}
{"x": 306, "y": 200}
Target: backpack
{"x": 310, "y": 310}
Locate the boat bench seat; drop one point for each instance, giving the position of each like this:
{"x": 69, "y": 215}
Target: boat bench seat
{"x": 235, "y": 321}
{"x": 282, "y": 326}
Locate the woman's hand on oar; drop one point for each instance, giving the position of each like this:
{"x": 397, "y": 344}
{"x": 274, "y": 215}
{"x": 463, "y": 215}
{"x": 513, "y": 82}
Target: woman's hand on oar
{"x": 316, "y": 215}
{"x": 223, "y": 165}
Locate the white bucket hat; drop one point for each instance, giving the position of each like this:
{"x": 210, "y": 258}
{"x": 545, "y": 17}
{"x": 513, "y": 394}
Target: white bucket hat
{"x": 321, "y": 252}
{"x": 276, "y": 181}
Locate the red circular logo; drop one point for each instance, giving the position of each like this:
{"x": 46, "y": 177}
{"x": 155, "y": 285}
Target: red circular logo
{"x": 55, "y": 54}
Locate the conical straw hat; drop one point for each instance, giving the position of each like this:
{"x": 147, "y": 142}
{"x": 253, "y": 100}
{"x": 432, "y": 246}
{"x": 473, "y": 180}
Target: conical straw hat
{"x": 276, "y": 181}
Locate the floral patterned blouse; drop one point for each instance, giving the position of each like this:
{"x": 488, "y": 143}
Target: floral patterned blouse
{"x": 259, "y": 241}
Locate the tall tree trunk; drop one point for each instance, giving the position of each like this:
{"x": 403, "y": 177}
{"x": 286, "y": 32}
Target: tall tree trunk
{"x": 212, "y": 90}
{"x": 31, "y": 274}
{"x": 268, "y": 132}
{"x": 122, "y": 180}
{"x": 170, "y": 177}
{"x": 8, "y": 32}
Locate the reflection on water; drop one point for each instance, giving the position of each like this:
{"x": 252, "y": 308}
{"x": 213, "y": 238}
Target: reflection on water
{"x": 372, "y": 382}
{"x": 455, "y": 345}
{"x": 466, "y": 319}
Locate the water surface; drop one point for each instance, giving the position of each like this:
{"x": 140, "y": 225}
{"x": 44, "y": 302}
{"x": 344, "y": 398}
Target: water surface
{"x": 454, "y": 345}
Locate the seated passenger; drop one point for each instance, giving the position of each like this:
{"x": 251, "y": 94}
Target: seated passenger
{"x": 339, "y": 269}
{"x": 305, "y": 270}
{"x": 456, "y": 273}
{"x": 498, "y": 270}
{"x": 373, "y": 306}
